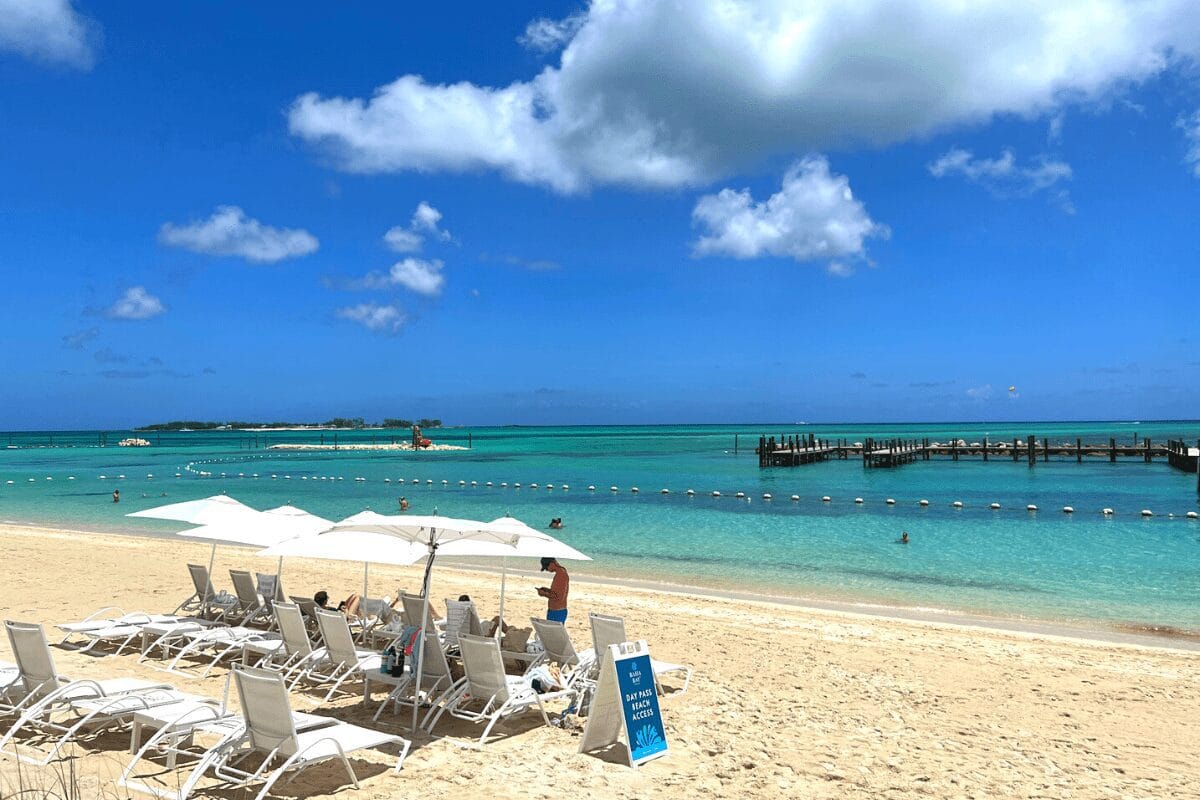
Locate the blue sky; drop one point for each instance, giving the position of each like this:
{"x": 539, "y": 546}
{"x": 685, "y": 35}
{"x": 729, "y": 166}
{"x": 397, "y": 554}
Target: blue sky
{"x": 616, "y": 212}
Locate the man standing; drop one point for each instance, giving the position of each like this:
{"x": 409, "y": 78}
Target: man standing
{"x": 556, "y": 592}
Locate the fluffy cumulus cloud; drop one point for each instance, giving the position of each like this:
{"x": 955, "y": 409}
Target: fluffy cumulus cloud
{"x": 80, "y": 339}
{"x": 47, "y": 30}
{"x": 813, "y": 217}
{"x": 1191, "y": 130}
{"x": 660, "y": 93}
{"x": 1004, "y": 176}
{"x": 374, "y": 317}
{"x": 424, "y": 222}
{"x": 415, "y": 274}
{"x": 136, "y": 303}
{"x": 229, "y": 232}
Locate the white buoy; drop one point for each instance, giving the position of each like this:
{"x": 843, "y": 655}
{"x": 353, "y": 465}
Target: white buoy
{"x": 341, "y": 477}
{"x": 415, "y": 481}
{"x": 516, "y": 486}
{"x": 922, "y": 502}
{"x": 31, "y": 480}
{"x": 489, "y": 483}
{"x": 1147, "y": 512}
{"x": 287, "y": 477}
{"x": 664, "y": 491}
{"x": 891, "y": 501}
{"x": 740, "y": 494}
{"x": 634, "y": 490}
{"x": 858, "y": 501}
{"x": 444, "y": 482}
{"x": 1068, "y": 510}
{"x": 1031, "y": 507}
{"x": 613, "y": 489}
{"x": 273, "y": 476}
{"x": 795, "y": 497}
{"x": 122, "y": 477}
{"x": 504, "y": 485}
{"x": 385, "y": 480}
{"x": 565, "y": 487}
{"x": 549, "y": 485}
{"x": 1108, "y": 512}
{"x": 103, "y": 477}
{"x": 462, "y": 483}
{"x": 360, "y": 479}
{"x": 716, "y": 493}
{"x": 474, "y": 483}
{"x": 1193, "y": 515}
{"x": 72, "y": 477}
{"x": 766, "y": 495}
{"x": 533, "y": 486}
{"x": 149, "y": 476}
{"x": 591, "y": 488}
{"x": 994, "y": 506}
{"x": 10, "y": 483}
{"x": 690, "y": 492}
{"x": 826, "y": 499}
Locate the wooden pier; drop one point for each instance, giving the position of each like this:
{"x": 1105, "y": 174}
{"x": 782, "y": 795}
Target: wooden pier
{"x": 795, "y": 451}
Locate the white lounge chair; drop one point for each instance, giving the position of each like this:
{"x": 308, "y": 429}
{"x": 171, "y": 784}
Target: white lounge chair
{"x": 290, "y": 650}
{"x": 487, "y": 695}
{"x": 219, "y": 643}
{"x": 338, "y": 660}
{"x": 42, "y": 696}
{"x": 412, "y": 604}
{"x": 557, "y": 647}
{"x": 461, "y": 617}
{"x": 251, "y": 607}
{"x": 205, "y": 600}
{"x": 436, "y": 678}
{"x": 609, "y": 630}
{"x": 103, "y": 627}
{"x": 286, "y": 742}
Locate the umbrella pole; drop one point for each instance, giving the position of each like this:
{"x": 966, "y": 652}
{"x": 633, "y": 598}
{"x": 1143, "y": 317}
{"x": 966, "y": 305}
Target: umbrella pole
{"x": 366, "y": 567}
{"x": 416, "y": 703}
{"x": 499, "y": 632}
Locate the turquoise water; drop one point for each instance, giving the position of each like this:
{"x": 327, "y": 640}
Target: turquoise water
{"x": 1046, "y": 565}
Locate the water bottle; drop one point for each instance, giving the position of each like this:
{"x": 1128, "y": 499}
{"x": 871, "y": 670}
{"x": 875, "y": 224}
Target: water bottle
{"x": 385, "y": 663}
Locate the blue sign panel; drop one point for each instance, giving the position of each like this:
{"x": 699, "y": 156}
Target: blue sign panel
{"x": 639, "y": 701}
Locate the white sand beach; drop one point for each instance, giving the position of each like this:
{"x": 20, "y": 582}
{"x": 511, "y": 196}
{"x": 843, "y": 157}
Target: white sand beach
{"x": 785, "y": 702}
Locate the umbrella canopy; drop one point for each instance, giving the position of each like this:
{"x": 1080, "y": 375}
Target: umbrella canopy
{"x": 213, "y": 509}
{"x": 261, "y": 529}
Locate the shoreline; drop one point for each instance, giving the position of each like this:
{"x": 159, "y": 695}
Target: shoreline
{"x": 1096, "y": 633}
{"x": 405, "y": 446}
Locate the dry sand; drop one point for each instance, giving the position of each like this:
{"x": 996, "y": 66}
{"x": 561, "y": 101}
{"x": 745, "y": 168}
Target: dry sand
{"x": 785, "y": 702}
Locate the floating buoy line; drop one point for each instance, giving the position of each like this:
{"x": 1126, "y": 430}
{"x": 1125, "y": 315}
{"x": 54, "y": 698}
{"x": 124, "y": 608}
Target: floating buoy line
{"x": 199, "y": 469}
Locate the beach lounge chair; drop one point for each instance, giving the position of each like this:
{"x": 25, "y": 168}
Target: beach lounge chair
{"x": 219, "y": 643}
{"x": 251, "y": 607}
{"x": 436, "y": 678}
{"x": 487, "y": 695}
{"x": 412, "y": 604}
{"x": 557, "y": 648}
{"x": 338, "y": 660}
{"x": 461, "y": 617}
{"x": 205, "y": 600}
{"x": 286, "y": 742}
{"x": 373, "y": 614}
{"x": 57, "y": 707}
{"x": 308, "y": 608}
{"x": 608, "y": 630}
{"x": 103, "y": 627}
{"x": 292, "y": 647}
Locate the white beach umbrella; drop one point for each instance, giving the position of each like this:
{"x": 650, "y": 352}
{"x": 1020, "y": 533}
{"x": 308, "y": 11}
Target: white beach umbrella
{"x": 220, "y": 508}
{"x": 406, "y": 539}
{"x": 261, "y": 529}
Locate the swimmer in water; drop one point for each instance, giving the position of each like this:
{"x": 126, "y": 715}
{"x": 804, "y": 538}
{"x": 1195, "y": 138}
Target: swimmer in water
{"x": 404, "y": 504}
{"x": 116, "y": 495}
{"x": 904, "y": 537}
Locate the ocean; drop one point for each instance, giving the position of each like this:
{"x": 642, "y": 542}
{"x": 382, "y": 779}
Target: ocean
{"x": 1125, "y": 570}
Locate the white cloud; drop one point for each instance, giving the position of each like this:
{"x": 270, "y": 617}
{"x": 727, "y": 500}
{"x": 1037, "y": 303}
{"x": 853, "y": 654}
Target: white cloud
{"x": 416, "y": 274}
{"x": 136, "y": 303}
{"x": 980, "y": 392}
{"x": 424, "y": 222}
{"x": 547, "y": 35}
{"x": 80, "y": 339}
{"x": 47, "y": 30}
{"x": 229, "y": 232}
{"x": 374, "y": 317}
{"x": 660, "y": 94}
{"x": 1191, "y": 130}
{"x": 813, "y": 217}
{"x": 1004, "y": 176}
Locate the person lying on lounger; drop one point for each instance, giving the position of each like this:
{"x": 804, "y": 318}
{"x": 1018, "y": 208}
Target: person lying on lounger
{"x": 349, "y": 606}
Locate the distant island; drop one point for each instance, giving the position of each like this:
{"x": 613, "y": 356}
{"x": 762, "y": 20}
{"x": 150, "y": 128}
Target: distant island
{"x": 337, "y": 423}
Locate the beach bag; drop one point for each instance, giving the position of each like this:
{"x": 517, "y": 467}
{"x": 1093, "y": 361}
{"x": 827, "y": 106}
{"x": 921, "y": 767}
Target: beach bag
{"x": 409, "y": 645}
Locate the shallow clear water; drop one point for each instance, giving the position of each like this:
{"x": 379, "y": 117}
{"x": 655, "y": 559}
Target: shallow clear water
{"x": 1011, "y": 562}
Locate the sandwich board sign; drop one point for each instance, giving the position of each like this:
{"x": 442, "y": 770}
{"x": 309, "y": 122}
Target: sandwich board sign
{"x": 626, "y": 703}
